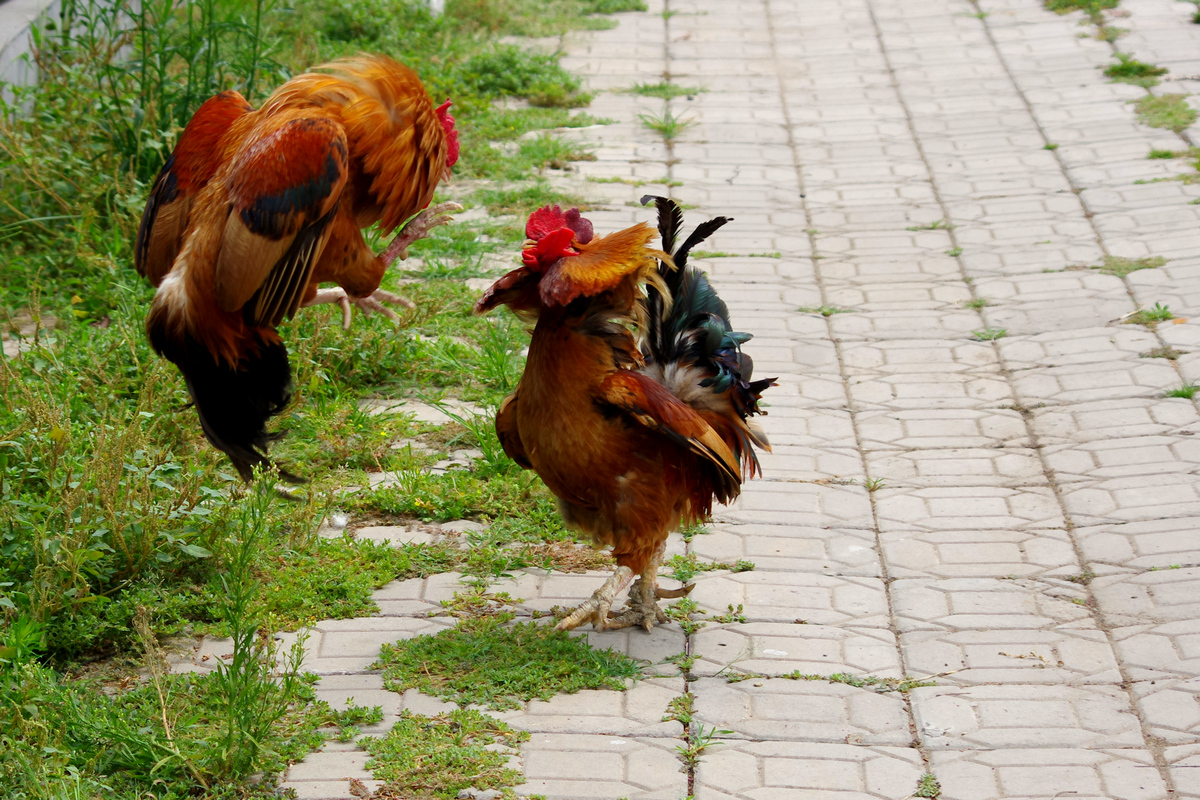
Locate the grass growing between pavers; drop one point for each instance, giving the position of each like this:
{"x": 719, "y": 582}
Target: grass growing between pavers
{"x": 115, "y": 514}
{"x": 1121, "y": 266}
{"x": 1129, "y": 70}
{"x": 488, "y": 662}
{"x": 440, "y": 756}
{"x": 1170, "y": 111}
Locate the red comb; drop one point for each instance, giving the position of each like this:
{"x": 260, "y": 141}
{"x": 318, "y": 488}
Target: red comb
{"x": 548, "y": 219}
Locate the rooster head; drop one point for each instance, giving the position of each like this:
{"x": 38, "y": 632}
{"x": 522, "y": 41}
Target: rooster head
{"x": 443, "y": 113}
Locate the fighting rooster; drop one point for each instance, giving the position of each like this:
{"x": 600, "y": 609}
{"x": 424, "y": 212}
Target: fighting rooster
{"x": 255, "y": 209}
{"x": 632, "y": 440}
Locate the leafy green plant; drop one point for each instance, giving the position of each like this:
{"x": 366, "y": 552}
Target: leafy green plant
{"x": 664, "y": 89}
{"x": 1187, "y": 391}
{"x": 667, "y": 124}
{"x": 1121, "y": 266}
{"x": 990, "y": 334}
{"x": 1150, "y": 316}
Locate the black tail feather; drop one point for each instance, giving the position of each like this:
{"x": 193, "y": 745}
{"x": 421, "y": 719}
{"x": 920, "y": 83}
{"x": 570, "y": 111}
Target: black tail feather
{"x": 235, "y": 404}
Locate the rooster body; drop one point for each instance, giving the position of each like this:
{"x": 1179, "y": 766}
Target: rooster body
{"x": 632, "y": 440}
{"x": 255, "y": 209}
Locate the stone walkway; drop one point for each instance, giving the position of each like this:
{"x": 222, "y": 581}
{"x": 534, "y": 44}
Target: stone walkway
{"x": 1012, "y": 518}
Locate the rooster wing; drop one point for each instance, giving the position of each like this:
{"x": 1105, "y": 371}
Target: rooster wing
{"x": 193, "y": 163}
{"x": 284, "y": 188}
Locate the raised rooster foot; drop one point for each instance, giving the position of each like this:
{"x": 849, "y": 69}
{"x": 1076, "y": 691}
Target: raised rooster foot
{"x": 418, "y": 228}
{"x": 373, "y": 302}
{"x": 595, "y": 608}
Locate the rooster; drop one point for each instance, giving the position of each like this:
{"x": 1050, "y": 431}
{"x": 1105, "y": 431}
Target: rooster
{"x": 256, "y": 208}
{"x": 632, "y": 437}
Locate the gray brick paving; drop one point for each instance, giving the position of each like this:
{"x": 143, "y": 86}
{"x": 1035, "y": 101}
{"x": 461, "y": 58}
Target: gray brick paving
{"x": 1013, "y": 520}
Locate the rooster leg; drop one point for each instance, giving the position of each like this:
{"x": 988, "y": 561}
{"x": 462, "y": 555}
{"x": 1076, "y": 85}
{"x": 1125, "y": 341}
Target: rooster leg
{"x": 642, "y": 608}
{"x": 595, "y": 608}
{"x": 368, "y": 304}
{"x": 418, "y": 228}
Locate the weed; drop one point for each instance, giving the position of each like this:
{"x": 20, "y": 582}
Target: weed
{"x": 1129, "y": 70}
{"x": 990, "y": 334}
{"x": 1121, "y": 266}
{"x": 680, "y": 709}
{"x": 928, "y": 786}
{"x": 1163, "y": 154}
{"x": 1091, "y": 7}
{"x": 635, "y": 181}
{"x": 664, "y": 89}
{"x": 440, "y": 756}
{"x": 954, "y": 252}
{"x": 1110, "y": 33}
{"x": 1167, "y": 352}
{"x": 691, "y": 531}
{"x": 1050, "y": 146}
{"x": 501, "y": 666}
{"x": 1150, "y": 317}
{"x": 1187, "y": 391}
{"x": 938, "y": 225}
{"x": 666, "y": 124}
{"x": 685, "y": 567}
{"x": 682, "y": 611}
{"x": 977, "y": 303}
{"x": 1170, "y": 111}
{"x": 873, "y": 484}
{"x": 880, "y": 685}
{"x": 824, "y": 311}
{"x": 730, "y": 616}
{"x": 683, "y": 660}
{"x": 352, "y": 716}
{"x": 696, "y": 742}
{"x": 1083, "y": 578}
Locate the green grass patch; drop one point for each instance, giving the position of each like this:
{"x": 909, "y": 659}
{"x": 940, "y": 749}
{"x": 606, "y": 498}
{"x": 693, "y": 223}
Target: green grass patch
{"x": 1170, "y": 111}
{"x": 990, "y": 334}
{"x": 1156, "y": 153}
{"x": 1129, "y": 70}
{"x": 1087, "y": 6}
{"x": 1167, "y": 352}
{"x": 440, "y": 756}
{"x": 1121, "y": 266}
{"x": 685, "y": 567}
{"x": 824, "y": 310}
{"x": 667, "y": 124}
{"x": 525, "y": 199}
{"x": 1187, "y": 391}
{"x": 928, "y": 787}
{"x": 494, "y": 664}
{"x": 1150, "y": 317}
{"x": 664, "y": 89}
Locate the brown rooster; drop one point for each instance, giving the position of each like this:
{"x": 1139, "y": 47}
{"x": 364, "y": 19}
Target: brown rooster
{"x": 255, "y": 209}
{"x": 632, "y": 440}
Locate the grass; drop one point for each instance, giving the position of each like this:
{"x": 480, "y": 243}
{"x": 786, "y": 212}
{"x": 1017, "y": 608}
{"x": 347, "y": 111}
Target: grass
{"x": 443, "y": 755}
{"x": 667, "y": 124}
{"x": 881, "y": 685}
{"x": 664, "y": 89}
{"x": 1121, "y": 266}
{"x": 990, "y": 334}
{"x": 685, "y": 567}
{"x": 1156, "y": 153}
{"x": 484, "y": 661}
{"x": 977, "y": 303}
{"x": 1167, "y": 352}
{"x": 1187, "y": 391}
{"x": 823, "y": 310}
{"x": 1129, "y": 70}
{"x": 937, "y": 225}
{"x": 1150, "y": 317}
{"x": 1090, "y": 7}
{"x": 1170, "y": 111}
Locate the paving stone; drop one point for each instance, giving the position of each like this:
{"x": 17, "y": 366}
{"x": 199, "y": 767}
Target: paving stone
{"x": 637, "y": 711}
{"x": 791, "y": 548}
{"x": 989, "y": 604}
{"x": 775, "y": 770}
{"x": 1048, "y": 773}
{"x": 570, "y": 766}
{"x": 1013, "y": 656}
{"x": 985, "y": 553}
{"x": 1004, "y": 717}
{"x": 1158, "y": 596}
{"x": 801, "y": 711}
{"x": 775, "y": 648}
{"x": 785, "y": 597}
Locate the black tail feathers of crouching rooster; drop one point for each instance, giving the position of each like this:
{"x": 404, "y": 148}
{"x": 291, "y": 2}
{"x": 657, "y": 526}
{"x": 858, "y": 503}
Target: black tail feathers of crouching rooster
{"x": 234, "y": 404}
{"x": 689, "y": 338}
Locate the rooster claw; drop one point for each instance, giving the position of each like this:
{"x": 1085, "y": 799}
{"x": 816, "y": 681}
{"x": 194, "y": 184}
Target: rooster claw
{"x": 369, "y": 304}
{"x": 418, "y": 228}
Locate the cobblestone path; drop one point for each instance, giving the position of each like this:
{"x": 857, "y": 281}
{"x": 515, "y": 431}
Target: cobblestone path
{"x": 977, "y": 479}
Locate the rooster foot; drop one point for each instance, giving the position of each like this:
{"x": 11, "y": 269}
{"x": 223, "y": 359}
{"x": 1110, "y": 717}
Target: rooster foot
{"x": 372, "y": 302}
{"x": 642, "y": 607}
{"x": 595, "y": 608}
{"x": 418, "y": 228}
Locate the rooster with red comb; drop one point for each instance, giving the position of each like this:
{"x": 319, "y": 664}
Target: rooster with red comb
{"x": 633, "y": 435}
